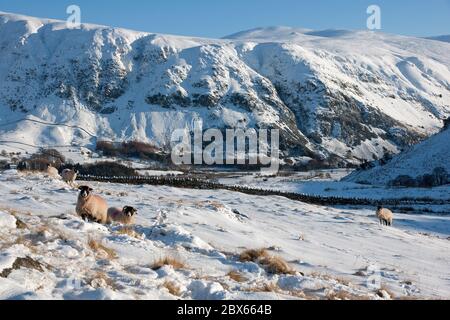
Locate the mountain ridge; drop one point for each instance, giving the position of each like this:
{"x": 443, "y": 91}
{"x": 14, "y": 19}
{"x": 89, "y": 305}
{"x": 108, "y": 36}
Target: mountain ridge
{"x": 351, "y": 98}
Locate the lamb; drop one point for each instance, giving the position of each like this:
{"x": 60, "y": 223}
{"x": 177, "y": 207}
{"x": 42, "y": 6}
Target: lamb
{"x": 69, "y": 176}
{"x": 52, "y": 171}
{"x": 123, "y": 216}
{"x": 385, "y": 215}
{"x": 91, "y": 207}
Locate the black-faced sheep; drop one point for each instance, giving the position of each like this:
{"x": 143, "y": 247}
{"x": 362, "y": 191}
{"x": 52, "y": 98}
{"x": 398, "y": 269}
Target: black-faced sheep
{"x": 385, "y": 216}
{"x": 123, "y": 216}
{"x": 91, "y": 207}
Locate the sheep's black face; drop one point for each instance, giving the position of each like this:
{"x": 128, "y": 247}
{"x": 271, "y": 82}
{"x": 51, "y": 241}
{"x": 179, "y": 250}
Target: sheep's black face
{"x": 129, "y": 211}
{"x": 85, "y": 191}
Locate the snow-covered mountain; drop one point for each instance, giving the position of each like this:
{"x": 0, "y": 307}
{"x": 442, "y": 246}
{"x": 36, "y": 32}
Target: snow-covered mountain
{"x": 445, "y": 38}
{"x": 421, "y": 160}
{"x": 354, "y": 94}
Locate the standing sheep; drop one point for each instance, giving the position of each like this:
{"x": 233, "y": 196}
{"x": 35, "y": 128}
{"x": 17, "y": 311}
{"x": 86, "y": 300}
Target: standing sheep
{"x": 69, "y": 176}
{"x": 385, "y": 215}
{"x": 90, "y": 206}
{"x": 124, "y": 216}
{"x": 52, "y": 171}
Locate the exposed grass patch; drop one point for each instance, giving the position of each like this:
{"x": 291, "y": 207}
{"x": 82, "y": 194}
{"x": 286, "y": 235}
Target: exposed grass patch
{"x": 383, "y": 291}
{"x": 236, "y": 276}
{"x": 253, "y": 255}
{"x": 277, "y": 265}
{"x": 172, "y": 288}
{"x": 272, "y": 264}
{"x": 264, "y": 287}
{"x": 168, "y": 261}
{"x": 26, "y": 262}
{"x": 101, "y": 249}
{"x": 19, "y": 223}
{"x": 129, "y": 231}
{"x": 344, "y": 295}
{"x": 102, "y": 280}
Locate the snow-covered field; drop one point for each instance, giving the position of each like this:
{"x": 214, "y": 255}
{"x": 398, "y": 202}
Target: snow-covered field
{"x": 46, "y": 251}
{"x": 326, "y": 183}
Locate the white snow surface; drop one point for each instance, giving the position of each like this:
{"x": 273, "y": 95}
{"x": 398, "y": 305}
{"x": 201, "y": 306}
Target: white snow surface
{"x": 337, "y": 249}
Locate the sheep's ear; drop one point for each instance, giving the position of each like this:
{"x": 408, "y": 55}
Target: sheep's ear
{"x": 124, "y": 209}
{"x": 90, "y": 189}
{"x": 80, "y": 188}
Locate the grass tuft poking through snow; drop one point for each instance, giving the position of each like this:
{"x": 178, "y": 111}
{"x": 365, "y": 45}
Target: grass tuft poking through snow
{"x": 253, "y": 255}
{"x": 168, "y": 261}
{"x": 272, "y": 264}
{"x": 26, "y": 262}
{"x": 236, "y": 276}
{"x": 264, "y": 287}
{"x": 129, "y": 231}
{"x": 385, "y": 293}
{"x": 101, "y": 249}
{"x": 172, "y": 288}
{"x": 101, "y": 280}
{"x": 344, "y": 295}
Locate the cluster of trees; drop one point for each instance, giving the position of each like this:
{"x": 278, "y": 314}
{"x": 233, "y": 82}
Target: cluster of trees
{"x": 105, "y": 169}
{"x": 39, "y": 161}
{"x": 438, "y": 177}
{"x": 131, "y": 149}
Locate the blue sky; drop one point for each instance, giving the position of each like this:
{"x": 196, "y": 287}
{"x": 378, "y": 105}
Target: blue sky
{"x": 217, "y": 18}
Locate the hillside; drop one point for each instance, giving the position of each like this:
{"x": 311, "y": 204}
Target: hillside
{"x": 422, "y": 159}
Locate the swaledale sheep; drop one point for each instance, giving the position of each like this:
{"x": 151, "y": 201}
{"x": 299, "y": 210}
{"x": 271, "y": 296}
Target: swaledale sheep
{"x": 123, "y": 216}
{"x": 385, "y": 215}
{"x": 91, "y": 207}
{"x": 52, "y": 171}
{"x": 69, "y": 176}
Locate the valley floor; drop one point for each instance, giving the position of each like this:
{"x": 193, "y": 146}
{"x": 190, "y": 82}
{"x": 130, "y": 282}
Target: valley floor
{"x": 47, "y": 252}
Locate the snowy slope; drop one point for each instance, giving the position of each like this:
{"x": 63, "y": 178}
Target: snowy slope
{"x": 420, "y": 160}
{"x": 354, "y": 94}
{"x": 338, "y": 250}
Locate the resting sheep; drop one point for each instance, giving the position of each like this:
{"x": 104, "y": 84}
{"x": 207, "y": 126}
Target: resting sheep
{"x": 69, "y": 176}
{"x": 385, "y": 215}
{"x": 123, "y": 216}
{"x": 52, "y": 171}
{"x": 91, "y": 207}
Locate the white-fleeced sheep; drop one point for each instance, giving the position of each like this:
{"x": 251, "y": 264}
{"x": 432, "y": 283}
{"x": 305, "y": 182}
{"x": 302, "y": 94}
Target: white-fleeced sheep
{"x": 69, "y": 176}
{"x": 52, "y": 171}
{"x": 91, "y": 207}
{"x": 385, "y": 216}
{"x": 123, "y": 216}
